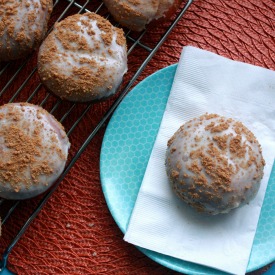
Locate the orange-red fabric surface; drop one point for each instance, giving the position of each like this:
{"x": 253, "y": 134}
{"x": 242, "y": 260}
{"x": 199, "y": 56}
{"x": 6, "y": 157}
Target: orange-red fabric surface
{"x": 75, "y": 233}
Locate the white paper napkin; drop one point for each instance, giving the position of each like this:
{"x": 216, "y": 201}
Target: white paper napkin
{"x": 205, "y": 82}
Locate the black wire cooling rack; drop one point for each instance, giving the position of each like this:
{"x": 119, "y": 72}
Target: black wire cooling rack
{"x": 19, "y": 81}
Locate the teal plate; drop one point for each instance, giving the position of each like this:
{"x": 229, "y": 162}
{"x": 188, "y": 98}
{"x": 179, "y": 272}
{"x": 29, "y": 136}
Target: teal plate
{"x": 125, "y": 151}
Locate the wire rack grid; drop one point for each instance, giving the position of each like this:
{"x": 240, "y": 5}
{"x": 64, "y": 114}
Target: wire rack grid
{"x": 19, "y": 82}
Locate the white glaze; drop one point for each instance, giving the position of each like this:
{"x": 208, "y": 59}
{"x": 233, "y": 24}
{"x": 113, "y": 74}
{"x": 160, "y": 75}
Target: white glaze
{"x": 137, "y": 14}
{"x": 51, "y": 135}
{"x": 69, "y": 58}
{"x": 34, "y": 31}
{"x": 244, "y": 182}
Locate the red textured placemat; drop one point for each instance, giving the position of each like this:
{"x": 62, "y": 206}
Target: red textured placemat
{"x": 75, "y": 233}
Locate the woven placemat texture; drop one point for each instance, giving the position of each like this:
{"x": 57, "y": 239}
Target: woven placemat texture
{"x": 75, "y": 233}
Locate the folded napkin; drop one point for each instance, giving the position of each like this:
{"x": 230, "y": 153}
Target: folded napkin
{"x": 205, "y": 82}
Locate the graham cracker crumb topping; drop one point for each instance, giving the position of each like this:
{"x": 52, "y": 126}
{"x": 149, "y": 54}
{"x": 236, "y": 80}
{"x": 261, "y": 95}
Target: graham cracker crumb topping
{"x": 23, "y": 25}
{"x": 217, "y": 158}
{"x": 25, "y": 154}
{"x": 84, "y": 58}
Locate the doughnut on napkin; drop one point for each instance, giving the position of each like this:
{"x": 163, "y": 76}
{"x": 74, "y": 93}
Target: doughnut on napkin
{"x": 205, "y": 82}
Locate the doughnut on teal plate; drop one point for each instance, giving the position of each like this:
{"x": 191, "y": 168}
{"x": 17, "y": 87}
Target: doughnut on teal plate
{"x": 125, "y": 151}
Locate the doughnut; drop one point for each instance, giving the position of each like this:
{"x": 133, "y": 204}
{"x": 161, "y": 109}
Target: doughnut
{"x": 83, "y": 59}
{"x": 214, "y": 164}
{"x": 135, "y": 15}
{"x": 34, "y": 149}
{"x": 23, "y": 25}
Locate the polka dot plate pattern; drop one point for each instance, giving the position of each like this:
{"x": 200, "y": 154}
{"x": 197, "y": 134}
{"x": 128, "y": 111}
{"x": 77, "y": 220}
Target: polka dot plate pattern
{"x": 125, "y": 151}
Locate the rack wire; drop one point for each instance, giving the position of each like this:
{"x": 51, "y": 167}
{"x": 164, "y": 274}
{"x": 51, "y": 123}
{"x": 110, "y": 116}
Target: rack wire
{"x": 16, "y": 84}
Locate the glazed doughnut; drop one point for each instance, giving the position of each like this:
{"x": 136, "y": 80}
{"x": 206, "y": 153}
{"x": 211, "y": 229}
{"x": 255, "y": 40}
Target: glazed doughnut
{"x": 214, "y": 164}
{"x": 23, "y": 25}
{"x": 83, "y": 59}
{"x": 34, "y": 149}
{"x": 135, "y": 15}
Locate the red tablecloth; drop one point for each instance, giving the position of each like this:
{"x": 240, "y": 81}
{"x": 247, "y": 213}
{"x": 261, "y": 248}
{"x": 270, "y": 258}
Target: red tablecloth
{"x": 75, "y": 233}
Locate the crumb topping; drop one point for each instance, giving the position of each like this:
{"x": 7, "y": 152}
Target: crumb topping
{"x": 23, "y": 25}
{"x": 83, "y": 58}
{"x": 31, "y": 148}
{"x": 136, "y": 14}
{"x": 217, "y": 158}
